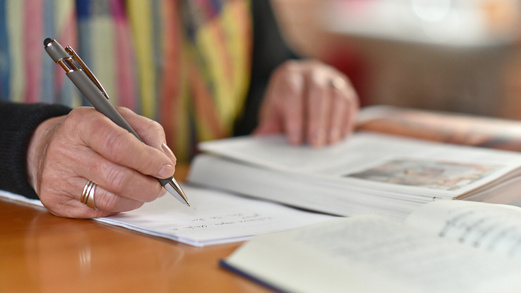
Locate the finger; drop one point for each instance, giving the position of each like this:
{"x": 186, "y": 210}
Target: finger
{"x": 121, "y": 147}
{"x": 108, "y": 202}
{"x": 70, "y": 205}
{"x": 318, "y": 107}
{"x": 151, "y": 132}
{"x": 342, "y": 111}
{"x": 270, "y": 116}
{"x": 338, "y": 115}
{"x": 115, "y": 178}
{"x": 351, "y": 97}
{"x": 119, "y": 180}
{"x": 292, "y": 89}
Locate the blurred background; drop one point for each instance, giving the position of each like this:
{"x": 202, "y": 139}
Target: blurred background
{"x": 447, "y": 55}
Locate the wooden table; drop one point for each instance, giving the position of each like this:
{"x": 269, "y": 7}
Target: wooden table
{"x": 40, "y": 252}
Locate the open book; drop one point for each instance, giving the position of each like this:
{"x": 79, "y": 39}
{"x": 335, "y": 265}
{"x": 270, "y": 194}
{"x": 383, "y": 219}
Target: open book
{"x": 369, "y": 173}
{"x": 446, "y": 246}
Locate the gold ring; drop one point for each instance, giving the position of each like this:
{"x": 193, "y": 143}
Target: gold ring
{"x": 337, "y": 83}
{"x": 87, "y": 196}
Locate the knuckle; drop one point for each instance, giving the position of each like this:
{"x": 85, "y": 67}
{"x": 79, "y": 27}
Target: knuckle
{"x": 290, "y": 65}
{"x": 287, "y": 69}
{"x": 319, "y": 78}
{"x": 154, "y": 127}
{"x": 316, "y": 63}
{"x": 73, "y": 120}
{"x": 75, "y": 114}
{"x": 79, "y": 112}
{"x": 124, "y": 110}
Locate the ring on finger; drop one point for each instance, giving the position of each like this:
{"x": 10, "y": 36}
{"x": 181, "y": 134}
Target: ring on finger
{"x": 337, "y": 83}
{"x": 87, "y": 196}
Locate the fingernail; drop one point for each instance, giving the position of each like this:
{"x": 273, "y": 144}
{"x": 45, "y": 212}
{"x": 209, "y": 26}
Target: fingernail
{"x": 166, "y": 171}
{"x": 168, "y": 152}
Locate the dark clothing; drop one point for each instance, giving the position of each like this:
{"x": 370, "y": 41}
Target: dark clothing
{"x": 269, "y": 51}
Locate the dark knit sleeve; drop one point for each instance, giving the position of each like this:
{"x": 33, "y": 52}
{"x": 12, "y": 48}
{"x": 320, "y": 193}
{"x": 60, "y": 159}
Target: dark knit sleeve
{"x": 17, "y": 124}
{"x": 269, "y": 51}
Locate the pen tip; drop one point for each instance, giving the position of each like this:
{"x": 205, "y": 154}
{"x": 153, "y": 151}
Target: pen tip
{"x": 175, "y": 189}
{"x": 47, "y": 41}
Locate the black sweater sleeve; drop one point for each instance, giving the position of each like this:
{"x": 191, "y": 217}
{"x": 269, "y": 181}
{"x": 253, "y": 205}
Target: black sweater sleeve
{"x": 17, "y": 124}
{"x": 269, "y": 51}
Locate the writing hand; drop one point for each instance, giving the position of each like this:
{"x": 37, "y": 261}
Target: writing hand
{"x": 310, "y": 102}
{"x": 66, "y": 152}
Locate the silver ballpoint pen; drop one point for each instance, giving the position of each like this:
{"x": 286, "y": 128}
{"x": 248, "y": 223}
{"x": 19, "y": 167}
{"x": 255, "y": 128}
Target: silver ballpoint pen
{"x": 91, "y": 88}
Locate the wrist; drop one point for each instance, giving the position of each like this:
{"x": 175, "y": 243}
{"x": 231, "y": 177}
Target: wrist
{"x": 37, "y": 148}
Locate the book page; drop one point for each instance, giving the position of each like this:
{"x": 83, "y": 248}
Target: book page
{"x": 491, "y": 227}
{"x": 296, "y": 190}
{"x": 412, "y": 166}
{"x": 214, "y": 217}
{"x": 371, "y": 254}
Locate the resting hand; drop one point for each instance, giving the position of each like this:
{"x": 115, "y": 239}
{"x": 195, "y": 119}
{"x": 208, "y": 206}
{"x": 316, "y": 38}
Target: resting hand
{"x": 66, "y": 152}
{"x": 310, "y": 102}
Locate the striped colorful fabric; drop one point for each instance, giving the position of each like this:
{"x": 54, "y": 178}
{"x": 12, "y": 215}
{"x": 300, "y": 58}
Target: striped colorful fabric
{"x": 184, "y": 63}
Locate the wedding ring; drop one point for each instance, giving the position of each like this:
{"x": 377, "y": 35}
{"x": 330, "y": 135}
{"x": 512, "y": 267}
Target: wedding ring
{"x": 337, "y": 83}
{"x": 87, "y": 196}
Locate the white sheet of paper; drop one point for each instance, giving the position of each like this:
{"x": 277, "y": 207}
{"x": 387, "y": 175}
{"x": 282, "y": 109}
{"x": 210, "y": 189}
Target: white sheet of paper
{"x": 214, "y": 217}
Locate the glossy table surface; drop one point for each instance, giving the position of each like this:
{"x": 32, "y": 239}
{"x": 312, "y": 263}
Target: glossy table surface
{"x": 40, "y": 252}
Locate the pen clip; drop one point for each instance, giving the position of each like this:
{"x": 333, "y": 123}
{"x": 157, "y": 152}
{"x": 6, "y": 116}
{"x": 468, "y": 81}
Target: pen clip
{"x": 87, "y": 70}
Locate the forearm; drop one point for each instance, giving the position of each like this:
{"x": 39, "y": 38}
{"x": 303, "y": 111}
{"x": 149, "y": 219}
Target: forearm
{"x": 18, "y": 123}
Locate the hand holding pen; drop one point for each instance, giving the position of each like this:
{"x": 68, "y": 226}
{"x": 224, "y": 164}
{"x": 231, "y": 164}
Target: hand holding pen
{"x": 84, "y": 165}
